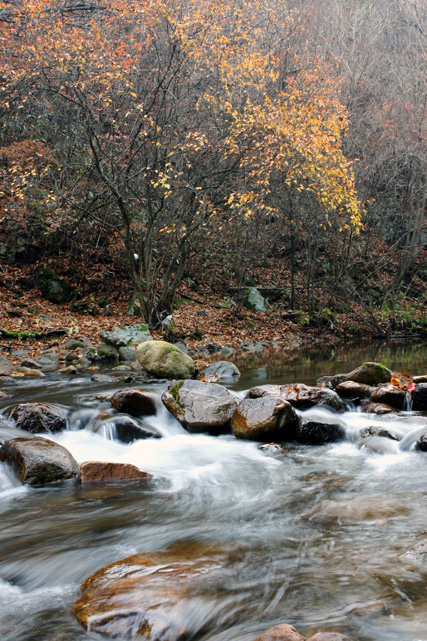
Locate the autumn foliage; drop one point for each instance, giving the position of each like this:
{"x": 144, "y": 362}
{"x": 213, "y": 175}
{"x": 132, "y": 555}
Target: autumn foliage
{"x": 151, "y": 119}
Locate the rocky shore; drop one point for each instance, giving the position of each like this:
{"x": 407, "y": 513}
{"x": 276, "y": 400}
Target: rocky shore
{"x": 133, "y": 597}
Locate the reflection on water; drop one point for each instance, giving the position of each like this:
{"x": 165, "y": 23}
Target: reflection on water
{"x": 319, "y": 531}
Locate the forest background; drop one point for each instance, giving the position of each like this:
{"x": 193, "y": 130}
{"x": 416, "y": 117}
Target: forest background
{"x": 175, "y": 156}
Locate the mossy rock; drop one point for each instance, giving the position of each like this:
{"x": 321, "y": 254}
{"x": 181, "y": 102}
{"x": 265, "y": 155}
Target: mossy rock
{"x": 370, "y": 374}
{"x": 165, "y": 360}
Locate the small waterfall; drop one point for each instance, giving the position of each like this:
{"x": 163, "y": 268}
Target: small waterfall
{"x": 407, "y": 406}
{"x": 109, "y": 431}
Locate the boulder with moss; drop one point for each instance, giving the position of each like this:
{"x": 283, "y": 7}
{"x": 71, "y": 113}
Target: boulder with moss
{"x": 165, "y": 360}
{"x": 370, "y": 373}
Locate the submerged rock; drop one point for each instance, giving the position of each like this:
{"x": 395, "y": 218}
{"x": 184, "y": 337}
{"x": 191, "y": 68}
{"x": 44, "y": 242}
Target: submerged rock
{"x": 133, "y": 401}
{"x": 155, "y": 596}
{"x": 283, "y": 632}
{"x": 165, "y": 360}
{"x": 96, "y": 471}
{"x": 329, "y": 636}
{"x": 265, "y": 419}
{"x": 126, "y": 429}
{"x": 377, "y": 430}
{"x": 416, "y": 555}
{"x": 378, "y": 445}
{"x": 38, "y": 461}
{"x": 201, "y": 407}
{"x": 37, "y": 418}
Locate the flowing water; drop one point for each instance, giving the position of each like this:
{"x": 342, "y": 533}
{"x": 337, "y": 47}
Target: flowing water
{"x": 319, "y": 531}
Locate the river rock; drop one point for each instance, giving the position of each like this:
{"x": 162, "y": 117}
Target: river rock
{"x": 265, "y": 419}
{"x": 421, "y": 444}
{"x": 353, "y": 391}
{"x": 96, "y": 471}
{"x": 416, "y": 555}
{"x": 106, "y": 352}
{"x": 201, "y": 407}
{"x": 74, "y": 343}
{"x": 165, "y": 360}
{"x": 222, "y": 371}
{"x": 155, "y": 596}
{"x": 300, "y": 395}
{"x": 37, "y": 417}
{"x": 38, "y": 461}
{"x": 377, "y": 408}
{"x": 127, "y": 354}
{"x": 390, "y": 395}
{"x": 6, "y": 368}
{"x": 275, "y": 450}
{"x": 28, "y": 362}
{"x": 419, "y": 398}
{"x": 126, "y": 336}
{"x": 48, "y": 361}
{"x": 314, "y": 432}
{"x": 283, "y": 632}
{"x": 370, "y": 373}
{"x": 377, "y": 430}
{"x": 420, "y": 379}
{"x": 329, "y": 636}
{"x": 30, "y": 372}
{"x": 134, "y": 402}
{"x": 130, "y": 429}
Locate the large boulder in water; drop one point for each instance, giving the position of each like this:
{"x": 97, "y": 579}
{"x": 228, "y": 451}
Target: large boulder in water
{"x": 165, "y": 360}
{"x": 265, "y": 419}
{"x": 170, "y": 595}
{"x": 300, "y": 395}
{"x": 201, "y": 407}
{"x": 38, "y": 461}
{"x": 37, "y": 418}
{"x": 370, "y": 373}
{"x": 135, "y": 402}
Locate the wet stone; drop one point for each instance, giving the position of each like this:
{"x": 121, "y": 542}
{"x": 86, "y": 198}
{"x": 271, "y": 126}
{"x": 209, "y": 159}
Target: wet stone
{"x": 133, "y": 401}
{"x": 283, "y": 632}
{"x": 157, "y": 595}
{"x": 98, "y": 471}
{"x": 264, "y": 419}
{"x": 37, "y": 418}
{"x": 317, "y": 432}
{"x": 38, "y": 461}
{"x": 329, "y": 636}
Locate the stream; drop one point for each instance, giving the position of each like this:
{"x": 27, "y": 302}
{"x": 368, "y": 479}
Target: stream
{"x": 319, "y": 530}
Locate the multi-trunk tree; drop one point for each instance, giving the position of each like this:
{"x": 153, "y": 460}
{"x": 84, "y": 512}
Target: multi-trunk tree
{"x": 160, "y": 115}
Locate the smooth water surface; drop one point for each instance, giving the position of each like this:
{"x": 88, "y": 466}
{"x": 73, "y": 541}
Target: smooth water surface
{"x": 319, "y": 531}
